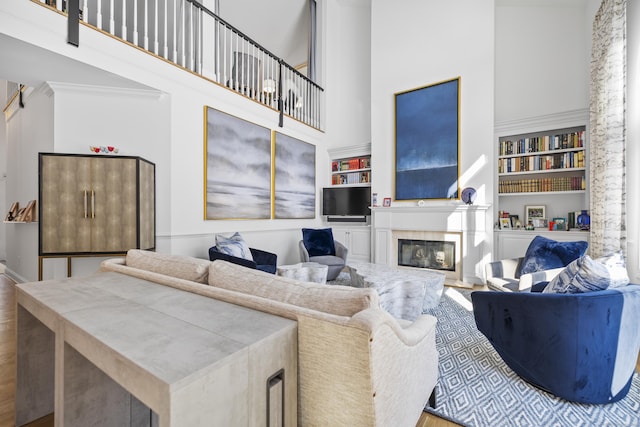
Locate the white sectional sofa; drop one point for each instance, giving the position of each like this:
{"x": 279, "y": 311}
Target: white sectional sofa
{"x": 357, "y": 365}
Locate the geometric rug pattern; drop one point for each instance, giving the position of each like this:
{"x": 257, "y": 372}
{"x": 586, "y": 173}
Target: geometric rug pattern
{"x": 476, "y": 388}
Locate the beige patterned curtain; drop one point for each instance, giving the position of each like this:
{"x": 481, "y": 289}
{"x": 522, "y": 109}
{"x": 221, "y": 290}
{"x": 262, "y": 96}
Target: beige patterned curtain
{"x": 607, "y": 129}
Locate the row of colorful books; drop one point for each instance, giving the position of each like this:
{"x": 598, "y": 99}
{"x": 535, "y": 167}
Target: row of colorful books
{"x": 569, "y": 183}
{"x": 351, "y": 178}
{"x": 542, "y": 143}
{"x": 351, "y": 164}
{"x": 570, "y": 159}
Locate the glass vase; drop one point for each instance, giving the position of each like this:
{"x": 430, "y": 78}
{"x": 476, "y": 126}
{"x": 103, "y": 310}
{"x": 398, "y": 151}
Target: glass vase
{"x": 584, "y": 221}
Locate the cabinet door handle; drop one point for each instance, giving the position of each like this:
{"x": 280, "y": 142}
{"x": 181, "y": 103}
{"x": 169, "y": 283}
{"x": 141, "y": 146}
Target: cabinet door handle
{"x": 86, "y": 204}
{"x": 93, "y": 204}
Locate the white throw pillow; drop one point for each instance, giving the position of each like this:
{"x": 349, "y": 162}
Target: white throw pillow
{"x": 234, "y": 246}
{"x": 581, "y": 275}
{"x": 617, "y": 269}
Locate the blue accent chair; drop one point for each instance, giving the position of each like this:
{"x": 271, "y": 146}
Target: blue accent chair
{"x": 580, "y": 347}
{"x": 262, "y": 260}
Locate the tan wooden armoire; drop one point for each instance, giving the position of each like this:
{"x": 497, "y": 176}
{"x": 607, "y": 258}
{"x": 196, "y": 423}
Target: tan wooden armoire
{"x": 94, "y": 205}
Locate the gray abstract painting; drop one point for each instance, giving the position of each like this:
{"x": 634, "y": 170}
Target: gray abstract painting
{"x": 295, "y": 178}
{"x": 237, "y": 169}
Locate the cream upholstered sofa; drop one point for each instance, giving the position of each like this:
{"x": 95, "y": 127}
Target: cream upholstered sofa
{"x": 357, "y": 365}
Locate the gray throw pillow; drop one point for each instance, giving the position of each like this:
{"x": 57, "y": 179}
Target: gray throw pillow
{"x": 234, "y": 246}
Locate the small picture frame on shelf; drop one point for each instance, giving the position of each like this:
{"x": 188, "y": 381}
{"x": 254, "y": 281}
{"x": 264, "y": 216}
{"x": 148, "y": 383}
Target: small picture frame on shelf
{"x": 540, "y": 223}
{"x": 514, "y": 219}
{"x": 532, "y": 212}
{"x": 386, "y": 202}
{"x": 560, "y": 224}
{"x": 505, "y": 223}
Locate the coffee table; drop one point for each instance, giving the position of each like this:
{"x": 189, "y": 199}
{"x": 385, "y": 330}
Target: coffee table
{"x": 305, "y": 271}
{"x": 404, "y": 293}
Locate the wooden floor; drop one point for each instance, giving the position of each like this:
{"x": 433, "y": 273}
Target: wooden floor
{"x": 8, "y": 369}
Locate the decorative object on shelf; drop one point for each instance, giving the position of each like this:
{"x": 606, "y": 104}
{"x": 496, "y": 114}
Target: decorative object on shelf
{"x": 534, "y": 212}
{"x": 374, "y": 199}
{"x": 386, "y": 202}
{"x": 584, "y": 221}
{"x": 421, "y": 203}
{"x": 560, "y": 224}
{"x": 295, "y": 181}
{"x": 13, "y": 212}
{"x": 237, "y": 167}
{"x": 540, "y": 222}
{"x": 518, "y": 225}
{"x": 514, "y": 219}
{"x": 427, "y": 143}
{"x": 529, "y": 226}
{"x": 109, "y": 149}
{"x": 468, "y": 195}
{"x": 505, "y": 223}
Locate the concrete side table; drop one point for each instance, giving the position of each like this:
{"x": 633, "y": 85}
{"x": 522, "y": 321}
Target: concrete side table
{"x": 305, "y": 271}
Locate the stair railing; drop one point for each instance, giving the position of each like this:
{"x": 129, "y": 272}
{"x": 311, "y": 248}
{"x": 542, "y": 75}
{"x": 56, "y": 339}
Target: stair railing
{"x": 189, "y": 35}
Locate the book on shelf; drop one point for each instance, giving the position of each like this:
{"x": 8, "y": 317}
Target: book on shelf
{"x": 542, "y": 143}
{"x": 569, "y": 183}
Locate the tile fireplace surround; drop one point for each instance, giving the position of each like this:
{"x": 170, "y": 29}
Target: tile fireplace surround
{"x": 464, "y": 224}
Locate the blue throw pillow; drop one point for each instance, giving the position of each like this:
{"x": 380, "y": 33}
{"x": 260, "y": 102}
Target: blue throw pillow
{"x": 581, "y": 275}
{"x": 318, "y": 241}
{"x": 234, "y": 246}
{"x": 545, "y": 254}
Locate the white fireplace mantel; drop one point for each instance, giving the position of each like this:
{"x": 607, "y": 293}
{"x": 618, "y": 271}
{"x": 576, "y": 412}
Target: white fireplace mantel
{"x": 472, "y": 221}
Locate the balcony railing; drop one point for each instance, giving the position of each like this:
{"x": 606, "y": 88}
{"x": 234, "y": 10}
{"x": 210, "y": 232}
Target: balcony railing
{"x": 189, "y": 35}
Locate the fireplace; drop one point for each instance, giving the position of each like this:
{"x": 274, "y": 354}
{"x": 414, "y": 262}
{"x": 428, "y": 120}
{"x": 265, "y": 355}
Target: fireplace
{"x": 432, "y": 254}
{"x": 433, "y": 250}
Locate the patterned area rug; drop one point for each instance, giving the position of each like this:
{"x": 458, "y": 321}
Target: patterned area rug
{"x": 476, "y": 388}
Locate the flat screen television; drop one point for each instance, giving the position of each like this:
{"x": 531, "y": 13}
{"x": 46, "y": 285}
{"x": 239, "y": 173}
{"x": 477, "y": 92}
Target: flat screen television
{"x": 346, "y": 201}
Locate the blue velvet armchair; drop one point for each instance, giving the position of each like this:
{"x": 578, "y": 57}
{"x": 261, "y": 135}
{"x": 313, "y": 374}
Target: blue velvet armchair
{"x": 262, "y": 260}
{"x": 580, "y": 347}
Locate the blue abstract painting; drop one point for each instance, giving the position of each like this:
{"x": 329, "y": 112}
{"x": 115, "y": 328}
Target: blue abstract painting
{"x": 295, "y": 178}
{"x": 237, "y": 168}
{"x": 427, "y": 142}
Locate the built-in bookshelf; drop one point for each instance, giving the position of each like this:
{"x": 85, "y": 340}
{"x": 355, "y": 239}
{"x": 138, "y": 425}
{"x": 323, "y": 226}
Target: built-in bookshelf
{"x": 543, "y": 162}
{"x": 351, "y": 171}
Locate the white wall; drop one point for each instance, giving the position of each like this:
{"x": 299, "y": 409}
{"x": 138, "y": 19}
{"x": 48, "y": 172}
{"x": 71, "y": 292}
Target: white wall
{"x": 3, "y": 171}
{"x": 417, "y": 43}
{"x": 542, "y": 59}
{"x": 29, "y": 131}
{"x": 346, "y": 67}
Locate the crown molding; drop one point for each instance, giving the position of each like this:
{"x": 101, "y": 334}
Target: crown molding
{"x": 104, "y": 90}
{"x": 559, "y": 120}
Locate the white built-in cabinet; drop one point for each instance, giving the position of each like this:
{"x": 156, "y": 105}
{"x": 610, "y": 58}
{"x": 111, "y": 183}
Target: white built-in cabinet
{"x": 357, "y": 239}
{"x": 540, "y": 161}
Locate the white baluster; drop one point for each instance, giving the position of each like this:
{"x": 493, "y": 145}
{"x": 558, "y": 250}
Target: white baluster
{"x": 112, "y": 15}
{"x": 166, "y": 31}
{"x": 135, "y": 22}
{"x": 183, "y": 34}
{"x": 191, "y": 33}
{"x": 156, "y": 43}
{"x": 124, "y": 20}
{"x": 175, "y": 32}
{"x": 145, "y": 27}
{"x": 99, "y": 14}
{"x": 85, "y": 11}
